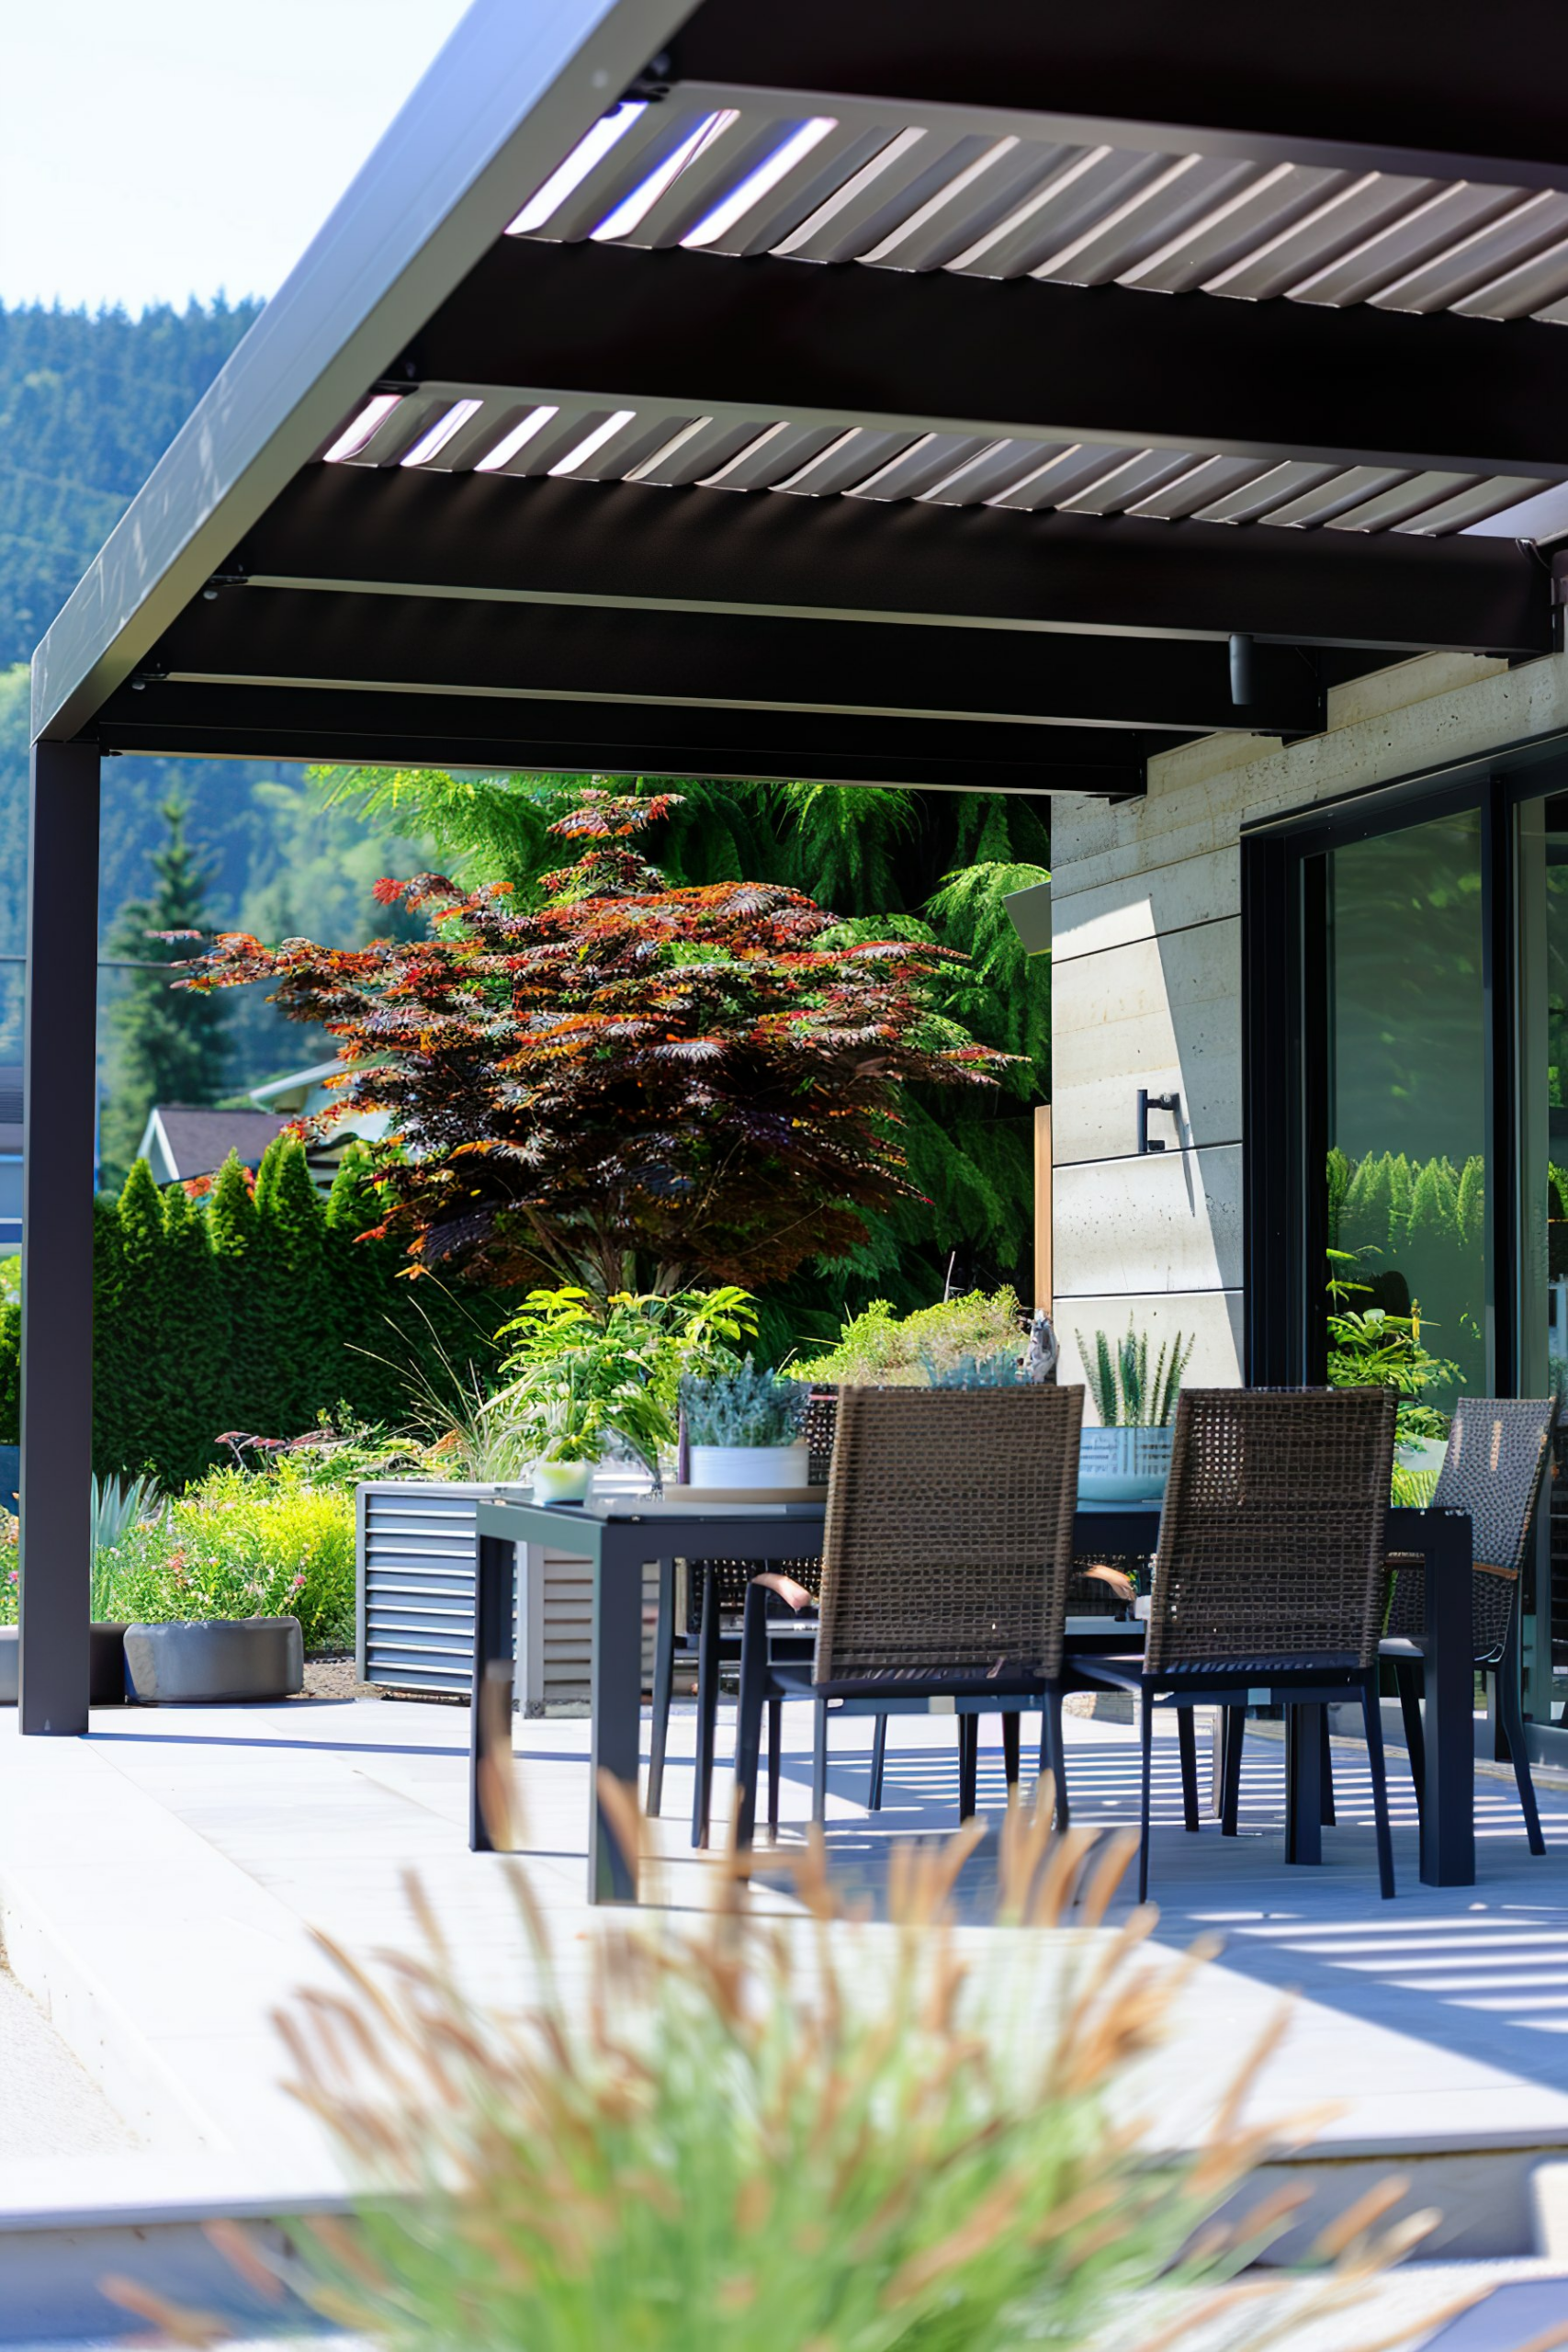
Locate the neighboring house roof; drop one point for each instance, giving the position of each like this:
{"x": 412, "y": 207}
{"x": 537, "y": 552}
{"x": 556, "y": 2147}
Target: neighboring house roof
{"x": 182, "y": 1140}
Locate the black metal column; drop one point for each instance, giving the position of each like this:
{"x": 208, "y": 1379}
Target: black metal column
{"x": 57, "y": 1237}
{"x": 1271, "y": 1016}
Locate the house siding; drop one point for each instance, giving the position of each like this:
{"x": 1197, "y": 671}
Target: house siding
{"x": 1147, "y": 987}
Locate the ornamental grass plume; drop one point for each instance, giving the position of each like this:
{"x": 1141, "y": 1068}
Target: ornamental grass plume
{"x": 795, "y": 2133}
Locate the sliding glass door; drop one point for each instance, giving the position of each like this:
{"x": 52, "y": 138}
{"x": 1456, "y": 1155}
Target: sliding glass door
{"x": 1403, "y": 1026}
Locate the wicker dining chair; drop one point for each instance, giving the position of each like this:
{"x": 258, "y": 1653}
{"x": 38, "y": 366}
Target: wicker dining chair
{"x": 1268, "y": 1579}
{"x": 1496, "y": 1467}
{"x": 699, "y": 1624}
{"x": 946, "y": 1558}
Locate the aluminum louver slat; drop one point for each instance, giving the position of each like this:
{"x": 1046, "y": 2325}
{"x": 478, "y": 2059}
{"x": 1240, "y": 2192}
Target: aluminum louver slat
{"x": 1341, "y": 224}
{"x": 1275, "y": 486}
{"x": 1347, "y": 487}
{"x": 934, "y": 459}
{"x": 997, "y": 466}
{"x": 1061, "y": 476}
{"x": 1404, "y": 244}
{"x": 1187, "y": 192}
{"x": 848, "y": 458}
{"x": 888, "y": 192}
{"x": 1470, "y": 506}
{"x": 946, "y": 226}
{"x": 1264, "y": 205}
{"x": 1477, "y": 260}
{"x": 659, "y": 134}
{"x": 1139, "y": 476}
{"x": 777, "y": 214}
{"x": 1073, "y": 200}
{"x": 1403, "y": 502}
{"x": 1523, "y": 290}
{"x": 1205, "y": 480}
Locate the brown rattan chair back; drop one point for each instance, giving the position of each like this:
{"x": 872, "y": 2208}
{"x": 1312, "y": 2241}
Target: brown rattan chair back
{"x": 1498, "y": 1450}
{"x": 1271, "y": 1539}
{"x": 821, "y": 1421}
{"x": 948, "y": 1545}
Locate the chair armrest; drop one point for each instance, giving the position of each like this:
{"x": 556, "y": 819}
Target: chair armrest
{"x": 785, "y": 1587}
{"x": 1121, "y": 1585}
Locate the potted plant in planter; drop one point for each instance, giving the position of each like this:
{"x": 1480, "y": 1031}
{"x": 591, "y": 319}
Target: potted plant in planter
{"x": 587, "y": 1372}
{"x": 745, "y": 1429}
{"x": 119, "y": 1507}
{"x": 1127, "y": 1460}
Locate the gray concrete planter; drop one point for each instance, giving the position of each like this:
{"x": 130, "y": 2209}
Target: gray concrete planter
{"x": 107, "y": 1671}
{"x": 225, "y": 1660}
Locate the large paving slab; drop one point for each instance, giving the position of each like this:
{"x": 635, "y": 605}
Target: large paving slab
{"x": 160, "y": 1881}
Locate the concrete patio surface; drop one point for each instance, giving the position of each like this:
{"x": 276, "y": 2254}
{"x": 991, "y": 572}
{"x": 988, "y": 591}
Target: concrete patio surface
{"x": 159, "y": 1881}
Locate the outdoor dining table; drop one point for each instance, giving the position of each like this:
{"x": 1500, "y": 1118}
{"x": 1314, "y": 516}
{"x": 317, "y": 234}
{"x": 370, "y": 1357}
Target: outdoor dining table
{"x": 618, "y": 1537}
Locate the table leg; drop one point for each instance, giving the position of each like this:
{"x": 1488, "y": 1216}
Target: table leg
{"x": 708, "y": 1704}
{"x": 1448, "y": 1810}
{"x": 663, "y": 1686}
{"x": 1303, "y": 1785}
{"x": 617, "y": 1705}
{"x": 490, "y": 1698}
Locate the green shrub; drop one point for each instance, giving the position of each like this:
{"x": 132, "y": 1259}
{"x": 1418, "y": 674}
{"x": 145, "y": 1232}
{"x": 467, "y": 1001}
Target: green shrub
{"x": 880, "y": 1349}
{"x": 748, "y": 1407}
{"x": 272, "y": 1544}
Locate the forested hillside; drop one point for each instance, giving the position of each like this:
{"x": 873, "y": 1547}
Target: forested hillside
{"x": 87, "y": 404}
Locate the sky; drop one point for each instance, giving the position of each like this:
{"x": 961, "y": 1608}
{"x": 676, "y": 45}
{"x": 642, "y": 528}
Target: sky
{"x": 151, "y": 149}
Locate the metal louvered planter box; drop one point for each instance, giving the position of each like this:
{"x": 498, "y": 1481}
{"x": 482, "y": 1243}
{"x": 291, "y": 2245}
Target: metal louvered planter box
{"x": 414, "y": 1553}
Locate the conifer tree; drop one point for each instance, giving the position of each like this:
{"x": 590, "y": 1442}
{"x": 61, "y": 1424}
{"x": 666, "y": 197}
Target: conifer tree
{"x": 294, "y": 1307}
{"x": 186, "y": 1375}
{"x": 165, "y": 1044}
{"x": 141, "y": 1319}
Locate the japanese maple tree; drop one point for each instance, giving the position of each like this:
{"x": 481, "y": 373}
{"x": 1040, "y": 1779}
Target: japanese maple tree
{"x": 629, "y": 1084}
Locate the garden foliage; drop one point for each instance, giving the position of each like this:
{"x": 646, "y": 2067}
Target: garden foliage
{"x": 261, "y": 1315}
{"x": 628, "y": 1080}
{"x": 923, "y": 867}
{"x": 241, "y": 1544}
{"x": 881, "y": 1348}
{"x": 749, "y": 1405}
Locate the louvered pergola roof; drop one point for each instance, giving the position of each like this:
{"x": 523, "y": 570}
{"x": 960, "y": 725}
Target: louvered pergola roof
{"x": 881, "y": 391}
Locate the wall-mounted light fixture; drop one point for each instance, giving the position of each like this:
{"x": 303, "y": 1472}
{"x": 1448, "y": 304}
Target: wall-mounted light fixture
{"x": 1147, "y": 1102}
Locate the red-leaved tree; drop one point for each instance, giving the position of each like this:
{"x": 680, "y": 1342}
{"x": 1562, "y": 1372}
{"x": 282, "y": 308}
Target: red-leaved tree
{"x": 632, "y": 1086}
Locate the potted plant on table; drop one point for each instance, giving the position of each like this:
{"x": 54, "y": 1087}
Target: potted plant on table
{"x": 588, "y": 1373}
{"x": 745, "y": 1429}
{"x": 1127, "y": 1460}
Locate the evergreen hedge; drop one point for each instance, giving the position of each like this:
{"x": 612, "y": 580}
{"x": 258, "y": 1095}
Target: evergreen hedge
{"x": 264, "y": 1314}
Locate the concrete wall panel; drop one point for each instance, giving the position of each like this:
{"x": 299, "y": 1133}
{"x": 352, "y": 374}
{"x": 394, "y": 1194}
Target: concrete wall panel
{"x": 1161, "y": 1013}
{"x": 1139, "y": 1228}
{"x": 1211, "y": 1319}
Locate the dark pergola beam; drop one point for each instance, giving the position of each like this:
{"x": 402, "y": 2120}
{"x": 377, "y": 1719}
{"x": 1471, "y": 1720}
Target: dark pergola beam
{"x": 1405, "y": 82}
{"x": 699, "y": 335}
{"x": 975, "y": 676}
{"x": 245, "y": 719}
{"x": 616, "y": 546}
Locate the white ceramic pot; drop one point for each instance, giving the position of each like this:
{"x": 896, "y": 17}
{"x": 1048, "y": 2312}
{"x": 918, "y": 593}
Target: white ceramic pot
{"x": 561, "y": 1482}
{"x": 1125, "y": 1466}
{"x": 751, "y": 1466}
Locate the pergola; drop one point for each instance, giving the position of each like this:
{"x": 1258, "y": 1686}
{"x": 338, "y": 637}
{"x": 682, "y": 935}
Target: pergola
{"x": 972, "y": 398}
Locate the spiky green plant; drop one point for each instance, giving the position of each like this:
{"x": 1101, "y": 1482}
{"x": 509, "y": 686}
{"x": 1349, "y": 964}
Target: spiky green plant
{"x": 1117, "y": 1373}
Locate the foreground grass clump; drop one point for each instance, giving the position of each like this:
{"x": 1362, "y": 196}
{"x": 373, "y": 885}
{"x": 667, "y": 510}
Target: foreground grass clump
{"x": 242, "y": 1543}
{"x": 794, "y": 2134}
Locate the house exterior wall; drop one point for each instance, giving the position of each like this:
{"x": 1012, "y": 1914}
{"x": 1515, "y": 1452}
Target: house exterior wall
{"x": 1146, "y": 987}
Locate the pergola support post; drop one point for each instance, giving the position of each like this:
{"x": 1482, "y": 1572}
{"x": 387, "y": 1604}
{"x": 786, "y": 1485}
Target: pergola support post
{"x": 60, "y": 1104}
